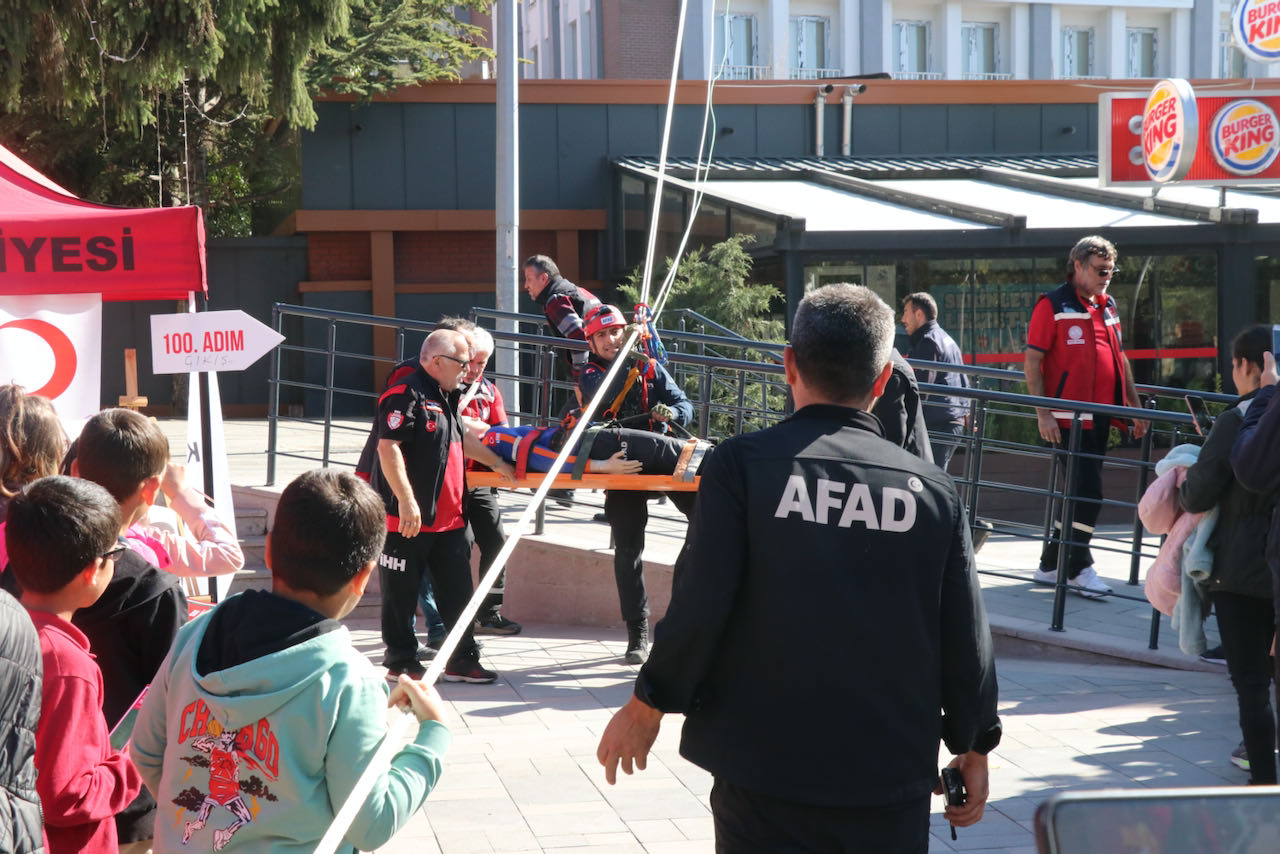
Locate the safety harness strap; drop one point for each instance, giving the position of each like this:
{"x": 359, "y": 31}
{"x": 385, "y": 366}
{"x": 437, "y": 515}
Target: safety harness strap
{"x": 584, "y": 452}
{"x": 523, "y": 449}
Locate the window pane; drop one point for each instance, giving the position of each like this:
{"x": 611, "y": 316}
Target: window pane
{"x": 793, "y": 48}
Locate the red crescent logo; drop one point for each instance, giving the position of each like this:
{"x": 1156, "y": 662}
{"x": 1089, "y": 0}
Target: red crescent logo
{"x": 64, "y": 354}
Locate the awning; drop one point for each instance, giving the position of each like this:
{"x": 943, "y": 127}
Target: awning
{"x": 52, "y": 242}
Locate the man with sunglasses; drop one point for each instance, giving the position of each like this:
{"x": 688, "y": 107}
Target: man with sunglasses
{"x": 1074, "y": 352}
{"x": 418, "y": 471}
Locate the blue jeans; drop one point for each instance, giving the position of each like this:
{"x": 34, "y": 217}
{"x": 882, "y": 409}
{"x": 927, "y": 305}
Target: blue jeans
{"x": 430, "y": 614}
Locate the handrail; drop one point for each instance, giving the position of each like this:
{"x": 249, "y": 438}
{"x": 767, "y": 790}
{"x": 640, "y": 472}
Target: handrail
{"x": 708, "y": 375}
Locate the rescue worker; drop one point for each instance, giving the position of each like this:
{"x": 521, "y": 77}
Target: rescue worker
{"x": 820, "y": 515}
{"x": 643, "y": 397}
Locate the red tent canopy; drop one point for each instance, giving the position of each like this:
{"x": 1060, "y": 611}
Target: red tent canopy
{"x": 54, "y": 243}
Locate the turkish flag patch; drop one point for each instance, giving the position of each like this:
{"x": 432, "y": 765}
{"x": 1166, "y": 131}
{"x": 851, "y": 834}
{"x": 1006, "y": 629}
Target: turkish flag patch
{"x": 431, "y": 425}
{"x": 395, "y": 419}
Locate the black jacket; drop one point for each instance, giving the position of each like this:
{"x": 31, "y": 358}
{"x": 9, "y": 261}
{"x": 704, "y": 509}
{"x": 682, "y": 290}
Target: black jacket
{"x": 130, "y": 629}
{"x": 932, "y": 344}
{"x": 423, "y": 418}
{"x": 900, "y": 413}
{"x": 813, "y": 542}
{"x": 1239, "y": 538}
{"x": 20, "y": 691}
{"x": 1257, "y": 466}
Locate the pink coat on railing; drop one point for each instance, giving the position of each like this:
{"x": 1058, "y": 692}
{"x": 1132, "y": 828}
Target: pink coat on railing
{"x": 1161, "y": 513}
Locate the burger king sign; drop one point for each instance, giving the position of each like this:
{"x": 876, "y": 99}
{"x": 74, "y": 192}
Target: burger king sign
{"x": 1170, "y": 130}
{"x": 1256, "y": 26}
{"x": 1243, "y": 137}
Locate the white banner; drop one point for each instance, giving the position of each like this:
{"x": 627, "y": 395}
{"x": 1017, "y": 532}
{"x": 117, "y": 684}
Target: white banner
{"x": 52, "y": 347}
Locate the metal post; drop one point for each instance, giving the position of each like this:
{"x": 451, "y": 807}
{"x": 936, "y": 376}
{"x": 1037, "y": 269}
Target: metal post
{"x": 328, "y": 392}
{"x": 1068, "y": 523}
{"x": 273, "y": 404}
{"x": 507, "y": 184}
{"x": 974, "y": 464}
{"x": 1143, "y": 474}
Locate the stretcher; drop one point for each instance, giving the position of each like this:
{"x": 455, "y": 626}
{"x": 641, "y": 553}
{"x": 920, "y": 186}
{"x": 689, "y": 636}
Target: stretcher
{"x": 684, "y": 478}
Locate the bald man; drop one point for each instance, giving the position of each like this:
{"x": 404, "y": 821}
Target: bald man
{"x": 418, "y": 471}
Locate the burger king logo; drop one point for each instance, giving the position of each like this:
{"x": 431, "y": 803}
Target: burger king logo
{"x": 1256, "y": 26}
{"x": 1243, "y": 137}
{"x": 1169, "y": 130}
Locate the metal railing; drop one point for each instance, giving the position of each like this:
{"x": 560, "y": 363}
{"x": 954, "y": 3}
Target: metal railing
{"x": 813, "y": 73}
{"x": 986, "y": 75}
{"x": 746, "y": 72}
{"x": 736, "y": 385}
{"x": 917, "y": 75}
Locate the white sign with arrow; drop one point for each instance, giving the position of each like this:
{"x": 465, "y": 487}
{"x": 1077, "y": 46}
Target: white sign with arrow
{"x": 208, "y": 341}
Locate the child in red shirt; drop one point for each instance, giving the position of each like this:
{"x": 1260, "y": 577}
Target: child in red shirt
{"x": 62, "y": 541}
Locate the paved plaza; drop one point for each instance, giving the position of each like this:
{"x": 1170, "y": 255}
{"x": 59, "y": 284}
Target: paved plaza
{"x": 1082, "y": 709}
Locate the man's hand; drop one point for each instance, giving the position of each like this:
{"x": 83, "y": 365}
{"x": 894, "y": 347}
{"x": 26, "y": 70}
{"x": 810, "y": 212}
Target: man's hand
{"x": 662, "y": 413}
{"x": 627, "y": 738}
{"x": 1140, "y": 428}
{"x": 617, "y": 464}
{"x": 1048, "y": 426}
{"x": 1269, "y": 376}
{"x": 410, "y": 518}
{"x": 505, "y": 470}
{"x": 420, "y": 698}
{"x": 973, "y": 767}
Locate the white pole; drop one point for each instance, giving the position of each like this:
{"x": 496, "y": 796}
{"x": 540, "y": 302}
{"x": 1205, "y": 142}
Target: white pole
{"x": 507, "y": 189}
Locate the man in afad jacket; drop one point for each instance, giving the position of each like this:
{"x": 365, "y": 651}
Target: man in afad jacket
{"x": 1074, "y": 352}
{"x": 820, "y": 515}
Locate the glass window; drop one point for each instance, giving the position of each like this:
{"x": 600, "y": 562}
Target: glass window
{"x": 807, "y": 48}
{"x": 1230, "y": 59}
{"x": 1141, "y": 52}
{"x": 764, "y": 228}
{"x": 531, "y": 70}
{"x": 735, "y": 49}
{"x": 978, "y": 41}
{"x": 711, "y": 225}
{"x": 636, "y": 195}
{"x": 1077, "y": 51}
{"x": 913, "y": 45}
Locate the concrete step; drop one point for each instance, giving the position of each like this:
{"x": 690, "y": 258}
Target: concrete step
{"x": 255, "y": 551}
{"x": 251, "y": 521}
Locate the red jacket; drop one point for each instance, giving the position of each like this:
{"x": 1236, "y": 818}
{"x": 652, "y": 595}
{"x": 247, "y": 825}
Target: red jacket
{"x": 82, "y": 780}
{"x": 1069, "y": 365}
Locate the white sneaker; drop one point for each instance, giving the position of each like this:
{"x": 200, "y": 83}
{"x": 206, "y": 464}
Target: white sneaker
{"x": 1046, "y": 576}
{"x": 1089, "y": 584}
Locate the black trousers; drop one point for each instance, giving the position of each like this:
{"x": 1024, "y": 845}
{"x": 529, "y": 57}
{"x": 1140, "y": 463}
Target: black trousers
{"x": 447, "y": 556}
{"x": 748, "y": 822}
{"x": 1088, "y": 490}
{"x": 944, "y": 442}
{"x": 1247, "y": 625}
{"x": 484, "y": 529}
{"x": 628, "y": 514}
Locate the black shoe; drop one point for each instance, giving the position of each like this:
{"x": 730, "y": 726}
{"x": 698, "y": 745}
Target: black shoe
{"x": 494, "y": 623}
{"x": 469, "y": 671}
{"x": 637, "y": 641}
{"x": 600, "y": 517}
{"x": 563, "y": 497}
{"x": 1215, "y": 656}
{"x": 413, "y": 671}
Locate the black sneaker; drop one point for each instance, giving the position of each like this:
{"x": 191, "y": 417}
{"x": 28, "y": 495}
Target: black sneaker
{"x": 563, "y": 497}
{"x": 427, "y": 653}
{"x": 1214, "y": 656}
{"x": 496, "y": 624}
{"x": 413, "y": 671}
{"x": 470, "y": 671}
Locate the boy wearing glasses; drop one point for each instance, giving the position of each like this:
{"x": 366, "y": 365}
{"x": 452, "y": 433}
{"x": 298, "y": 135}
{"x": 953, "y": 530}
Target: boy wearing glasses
{"x": 62, "y": 540}
{"x": 419, "y": 473}
{"x": 1074, "y": 352}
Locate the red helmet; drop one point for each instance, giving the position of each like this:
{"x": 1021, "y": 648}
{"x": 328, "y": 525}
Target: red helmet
{"x": 602, "y": 317}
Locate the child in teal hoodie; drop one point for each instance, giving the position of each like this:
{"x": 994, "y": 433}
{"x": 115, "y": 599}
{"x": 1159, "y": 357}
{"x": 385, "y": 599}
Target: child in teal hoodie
{"x": 263, "y": 716}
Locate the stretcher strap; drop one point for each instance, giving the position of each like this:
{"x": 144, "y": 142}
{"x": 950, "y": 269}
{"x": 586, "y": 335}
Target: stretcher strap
{"x": 690, "y": 461}
{"x": 523, "y": 449}
{"x": 682, "y": 462}
{"x": 584, "y": 451}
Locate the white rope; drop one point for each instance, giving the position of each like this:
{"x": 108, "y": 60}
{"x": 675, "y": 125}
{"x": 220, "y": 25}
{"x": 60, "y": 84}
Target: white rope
{"x": 402, "y": 727}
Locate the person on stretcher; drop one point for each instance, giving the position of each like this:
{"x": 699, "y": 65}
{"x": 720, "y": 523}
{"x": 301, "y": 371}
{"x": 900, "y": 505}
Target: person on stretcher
{"x": 614, "y": 450}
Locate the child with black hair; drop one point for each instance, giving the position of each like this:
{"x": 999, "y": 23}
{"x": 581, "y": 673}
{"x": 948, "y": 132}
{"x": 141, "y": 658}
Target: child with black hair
{"x": 264, "y": 716}
{"x": 132, "y": 625}
{"x": 62, "y": 536}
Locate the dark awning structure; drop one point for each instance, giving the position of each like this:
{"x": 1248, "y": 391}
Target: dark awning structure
{"x": 1002, "y": 224}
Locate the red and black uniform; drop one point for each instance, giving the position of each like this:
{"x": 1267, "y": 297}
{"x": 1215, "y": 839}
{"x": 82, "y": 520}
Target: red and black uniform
{"x": 416, "y": 413}
{"x": 1083, "y": 361}
{"x": 565, "y": 305}
{"x": 484, "y": 516}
